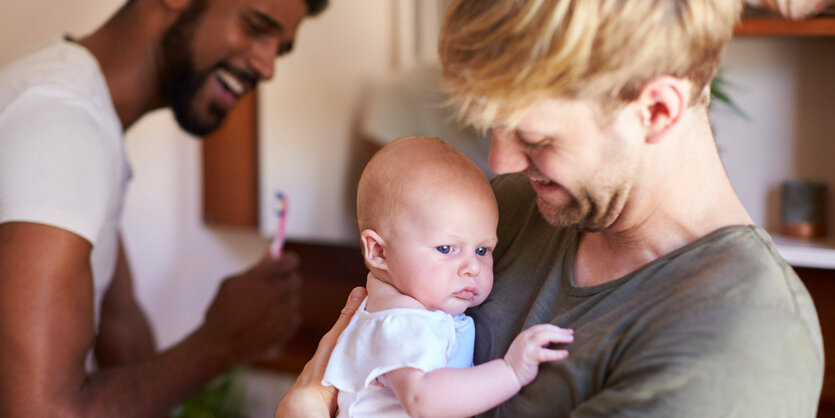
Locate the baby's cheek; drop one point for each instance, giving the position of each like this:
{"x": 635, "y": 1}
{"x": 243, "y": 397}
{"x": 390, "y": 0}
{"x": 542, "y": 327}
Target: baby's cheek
{"x": 486, "y": 287}
{"x": 482, "y": 296}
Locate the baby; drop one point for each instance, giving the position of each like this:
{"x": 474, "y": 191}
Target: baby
{"x": 427, "y": 219}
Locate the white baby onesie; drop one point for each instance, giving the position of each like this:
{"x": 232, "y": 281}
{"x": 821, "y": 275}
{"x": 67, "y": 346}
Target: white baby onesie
{"x": 375, "y": 343}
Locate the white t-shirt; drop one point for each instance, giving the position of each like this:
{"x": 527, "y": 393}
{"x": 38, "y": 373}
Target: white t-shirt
{"x": 62, "y": 157}
{"x": 375, "y": 343}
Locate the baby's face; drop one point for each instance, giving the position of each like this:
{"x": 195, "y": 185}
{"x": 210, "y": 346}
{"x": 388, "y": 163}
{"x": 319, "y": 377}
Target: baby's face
{"x": 440, "y": 251}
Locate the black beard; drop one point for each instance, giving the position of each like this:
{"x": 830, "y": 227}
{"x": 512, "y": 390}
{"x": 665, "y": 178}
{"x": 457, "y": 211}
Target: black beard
{"x": 180, "y": 80}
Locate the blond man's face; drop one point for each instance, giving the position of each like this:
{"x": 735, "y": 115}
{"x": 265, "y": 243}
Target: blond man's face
{"x": 439, "y": 250}
{"x": 582, "y": 172}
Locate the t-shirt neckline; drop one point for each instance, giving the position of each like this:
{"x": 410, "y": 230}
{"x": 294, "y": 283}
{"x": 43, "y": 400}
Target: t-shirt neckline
{"x": 571, "y": 258}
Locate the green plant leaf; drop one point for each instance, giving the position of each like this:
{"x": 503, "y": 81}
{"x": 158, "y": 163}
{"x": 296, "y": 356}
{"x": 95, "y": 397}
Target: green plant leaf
{"x": 718, "y": 93}
{"x": 221, "y": 398}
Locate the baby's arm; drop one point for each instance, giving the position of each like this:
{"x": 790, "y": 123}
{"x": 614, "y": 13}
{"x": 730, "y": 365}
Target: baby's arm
{"x": 450, "y": 392}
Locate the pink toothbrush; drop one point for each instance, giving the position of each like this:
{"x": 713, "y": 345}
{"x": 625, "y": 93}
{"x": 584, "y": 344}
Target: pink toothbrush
{"x": 277, "y": 245}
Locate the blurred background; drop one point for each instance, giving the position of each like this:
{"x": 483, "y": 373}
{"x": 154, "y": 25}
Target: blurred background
{"x": 360, "y": 75}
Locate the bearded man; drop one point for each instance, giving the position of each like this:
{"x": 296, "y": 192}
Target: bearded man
{"x": 73, "y": 340}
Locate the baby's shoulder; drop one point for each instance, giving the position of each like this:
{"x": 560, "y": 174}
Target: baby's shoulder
{"x": 394, "y": 326}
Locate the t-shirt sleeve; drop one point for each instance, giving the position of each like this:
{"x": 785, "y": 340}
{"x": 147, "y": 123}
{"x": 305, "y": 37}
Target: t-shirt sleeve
{"x": 54, "y": 168}
{"x": 720, "y": 361}
{"x": 372, "y": 346}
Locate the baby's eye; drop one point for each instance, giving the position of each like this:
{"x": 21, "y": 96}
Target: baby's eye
{"x": 481, "y": 251}
{"x": 444, "y": 249}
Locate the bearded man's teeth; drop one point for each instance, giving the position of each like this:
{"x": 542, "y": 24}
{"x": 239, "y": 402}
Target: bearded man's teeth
{"x": 230, "y": 81}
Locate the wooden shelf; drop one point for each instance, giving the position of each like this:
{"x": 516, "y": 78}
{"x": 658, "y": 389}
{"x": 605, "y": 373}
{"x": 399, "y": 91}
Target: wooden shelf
{"x": 761, "y": 23}
{"x": 820, "y": 26}
{"x": 806, "y": 253}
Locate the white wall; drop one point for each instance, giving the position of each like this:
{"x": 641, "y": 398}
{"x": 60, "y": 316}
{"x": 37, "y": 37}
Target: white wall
{"x": 309, "y": 113}
{"x": 25, "y": 25}
{"x": 307, "y": 116}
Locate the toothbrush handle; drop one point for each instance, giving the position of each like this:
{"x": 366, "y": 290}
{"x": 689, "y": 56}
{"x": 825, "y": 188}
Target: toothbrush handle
{"x": 277, "y": 245}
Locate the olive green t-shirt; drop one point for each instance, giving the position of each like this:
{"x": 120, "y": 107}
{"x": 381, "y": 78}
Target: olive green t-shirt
{"x": 720, "y": 327}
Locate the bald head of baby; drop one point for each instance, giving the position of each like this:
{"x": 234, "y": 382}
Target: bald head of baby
{"x": 413, "y": 170}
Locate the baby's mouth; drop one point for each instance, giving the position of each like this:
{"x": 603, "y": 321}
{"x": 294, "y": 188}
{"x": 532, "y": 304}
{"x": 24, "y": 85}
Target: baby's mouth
{"x": 467, "y": 293}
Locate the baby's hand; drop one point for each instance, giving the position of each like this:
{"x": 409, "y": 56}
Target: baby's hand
{"x": 528, "y": 350}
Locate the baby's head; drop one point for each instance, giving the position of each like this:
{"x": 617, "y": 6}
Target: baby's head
{"x": 427, "y": 218}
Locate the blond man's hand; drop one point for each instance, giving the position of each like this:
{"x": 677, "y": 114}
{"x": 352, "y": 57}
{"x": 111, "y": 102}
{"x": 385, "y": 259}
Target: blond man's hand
{"x": 308, "y": 397}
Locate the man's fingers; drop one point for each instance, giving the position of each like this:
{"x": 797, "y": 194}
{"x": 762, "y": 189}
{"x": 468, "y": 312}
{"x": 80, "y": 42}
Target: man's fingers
{"x": 281, "y": 269}
{"x": 291, "y": 282}
{"x": 354, "y": 301}
{"x": 286, "y": 265}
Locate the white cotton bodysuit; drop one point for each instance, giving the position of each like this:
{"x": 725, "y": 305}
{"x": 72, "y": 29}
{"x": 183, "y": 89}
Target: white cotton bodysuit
{"x": 375, "y": 343}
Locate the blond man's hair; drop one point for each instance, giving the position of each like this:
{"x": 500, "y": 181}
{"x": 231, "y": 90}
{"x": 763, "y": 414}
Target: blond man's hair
{"x": 501, "y": 56}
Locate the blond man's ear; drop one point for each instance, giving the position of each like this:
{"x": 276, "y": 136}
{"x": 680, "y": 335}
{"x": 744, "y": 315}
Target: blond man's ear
{"x": 663, "y": 102}
{"x": 373, "y": 249}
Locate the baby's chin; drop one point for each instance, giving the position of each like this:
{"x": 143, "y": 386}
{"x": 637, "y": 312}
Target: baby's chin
{"x": 464, "y": 306}
{"x": 454, "y": 311}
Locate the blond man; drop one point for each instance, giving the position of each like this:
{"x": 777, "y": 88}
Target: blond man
{"x": 623, "y": 225}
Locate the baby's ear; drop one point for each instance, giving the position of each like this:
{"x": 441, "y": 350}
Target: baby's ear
{"x": 373, "y": 249}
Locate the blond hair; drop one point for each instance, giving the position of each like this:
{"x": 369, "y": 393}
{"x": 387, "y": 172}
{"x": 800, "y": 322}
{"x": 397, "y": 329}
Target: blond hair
{"x": 501, "y": 56}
